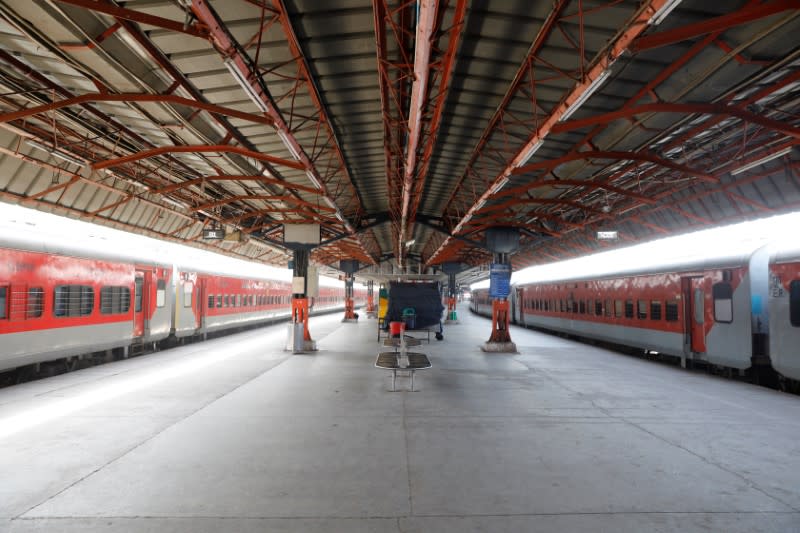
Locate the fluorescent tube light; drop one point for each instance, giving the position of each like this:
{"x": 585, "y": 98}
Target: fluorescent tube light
{"x": 313, "y": 179}
{"x": 245, "y": 84}
{"x": 174, "y": 203}
{"x": 590, "y": 90}
{"x": 56, "y": 153}
{"x": 499, "y": 185}
{"x": 757, "y": 162}
{"x": 659, "y": 16}
{"x": 289, "y": 146}
{"x": 532, "y": 150}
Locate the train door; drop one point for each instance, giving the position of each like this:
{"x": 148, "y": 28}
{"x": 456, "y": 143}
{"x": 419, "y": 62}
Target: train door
{"x": 138, "y": 304}
{"x": 694, "y": 305}
{"x": 202, "y": 305}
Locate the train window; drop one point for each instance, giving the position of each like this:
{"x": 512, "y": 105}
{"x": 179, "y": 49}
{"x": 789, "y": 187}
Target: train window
{"x": 609, "y": 308}
{"x": 618, "y": 308}
{"x": 628, "y": 308}
{"x": 139, "y": 294}
{"x": 161, "y": 293}
{"x": 641, "y": 309}
{"x": 73, "y": 300}
{"x": 671, "y": 311}
{"x": 655, "y": 310}
{"x": 598, "y": 307}
{"x": 238, "y": 300}
{"x": 698, "y": 306}
{"x": 187, "y": 294}
{"x": 211, "y": 301}
{"x": 723, "y": 301}
{"x": 3, "y": 302}
{"x": 226, "y": 300}
{"x": 794, "y": 303}
{"x": 219, "y": 300}
{"x": 115, "y": 300}
{"x": 582, "y": 307}
{"x": 35, "y": 302}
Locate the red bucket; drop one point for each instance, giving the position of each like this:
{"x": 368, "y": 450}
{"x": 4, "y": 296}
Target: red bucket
{"x": 396, "y": 328}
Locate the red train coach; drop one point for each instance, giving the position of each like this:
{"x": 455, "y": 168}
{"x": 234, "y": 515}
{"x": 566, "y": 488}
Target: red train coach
{"x": 695, "y": 310}
{"x": 61, "y": 300}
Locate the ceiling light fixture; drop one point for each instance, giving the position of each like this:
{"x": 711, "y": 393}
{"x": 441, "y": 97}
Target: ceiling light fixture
{"x": 56, "y": 153}
{"x": 590, "y": 90}
{"x": 313, "y": 178}
{"x": 757, "y": 162}
{"x": 245, "y": 84}
{"x": 174, "y": 203}
{"x": 532, "y": 150}
{"x": 288, "y": 144}
{"x": 659, "y": 16}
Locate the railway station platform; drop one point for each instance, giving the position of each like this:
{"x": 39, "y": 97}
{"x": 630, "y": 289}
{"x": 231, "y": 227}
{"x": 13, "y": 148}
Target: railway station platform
{"x": 235, "y": 434}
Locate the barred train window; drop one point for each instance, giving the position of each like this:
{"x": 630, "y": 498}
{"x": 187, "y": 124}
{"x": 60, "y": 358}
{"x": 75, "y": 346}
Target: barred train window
{"x": 723, "y": 301}
{"x": 641, "y": 311}
{"x": 73, "y": 300}
{"x": 598, "y": 307}
{"x": 618, "y": 308}
{"x": 628, "y": 308}
{"x": 35, "y": 302}
{"x": 161, "y": 293}
{"x": 211, "y": 301}
{"x": 671, "y": 311}
{"x": 3, "y": 302}
{"x": 655, "y": 310}
{"x": 794, "y": 303}
{"x": 115, "y": 300}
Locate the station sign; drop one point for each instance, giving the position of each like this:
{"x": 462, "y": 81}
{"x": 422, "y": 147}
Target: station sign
{"x": 214, "y": 233}
{"x": 499, "y": 280}
{"x": 607, "y": 235}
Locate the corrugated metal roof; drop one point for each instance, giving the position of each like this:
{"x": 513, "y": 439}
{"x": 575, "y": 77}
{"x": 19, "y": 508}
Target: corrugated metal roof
{"x": 250, "y": 114}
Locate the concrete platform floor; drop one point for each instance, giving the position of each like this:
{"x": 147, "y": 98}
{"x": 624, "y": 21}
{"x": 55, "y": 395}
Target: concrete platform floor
{"x": 236, "y": 435}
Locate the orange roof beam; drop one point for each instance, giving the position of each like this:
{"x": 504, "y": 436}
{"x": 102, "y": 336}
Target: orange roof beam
{"x": 220, "y": 148}
{"x": 128, "y": 97}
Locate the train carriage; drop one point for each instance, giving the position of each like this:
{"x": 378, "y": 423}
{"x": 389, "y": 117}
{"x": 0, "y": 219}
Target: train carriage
{"x": 735, "y": 311}
{"x": 783, "y": 307}
{"x": 60, "y": 300}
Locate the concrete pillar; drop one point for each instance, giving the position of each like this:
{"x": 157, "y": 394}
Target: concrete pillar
{"x": 300, "y": 343}
{"x": 502, "y": 242}
{"x": 371, "y": 310}
{"x": 349, "y": 267}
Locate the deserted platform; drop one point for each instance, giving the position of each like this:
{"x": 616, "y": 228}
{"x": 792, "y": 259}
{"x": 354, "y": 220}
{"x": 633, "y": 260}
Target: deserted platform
{"x": 235, "y": 434}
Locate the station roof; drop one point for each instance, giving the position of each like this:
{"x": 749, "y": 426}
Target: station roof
{"x": 405, "y": 129}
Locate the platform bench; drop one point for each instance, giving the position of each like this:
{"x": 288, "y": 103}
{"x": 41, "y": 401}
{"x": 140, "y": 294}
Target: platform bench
{"x": 392, "y": 361}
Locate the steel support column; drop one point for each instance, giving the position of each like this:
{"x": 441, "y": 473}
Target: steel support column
{"x": 300, "y": 306}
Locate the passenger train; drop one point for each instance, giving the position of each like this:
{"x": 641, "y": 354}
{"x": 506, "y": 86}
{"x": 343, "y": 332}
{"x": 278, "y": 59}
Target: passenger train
{"x": 737, "y": 312}
{"x": 62, "y": 301}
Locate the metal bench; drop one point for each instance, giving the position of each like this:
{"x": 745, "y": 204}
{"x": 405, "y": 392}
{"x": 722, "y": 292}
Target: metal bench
{"x": 410, "y": 362}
